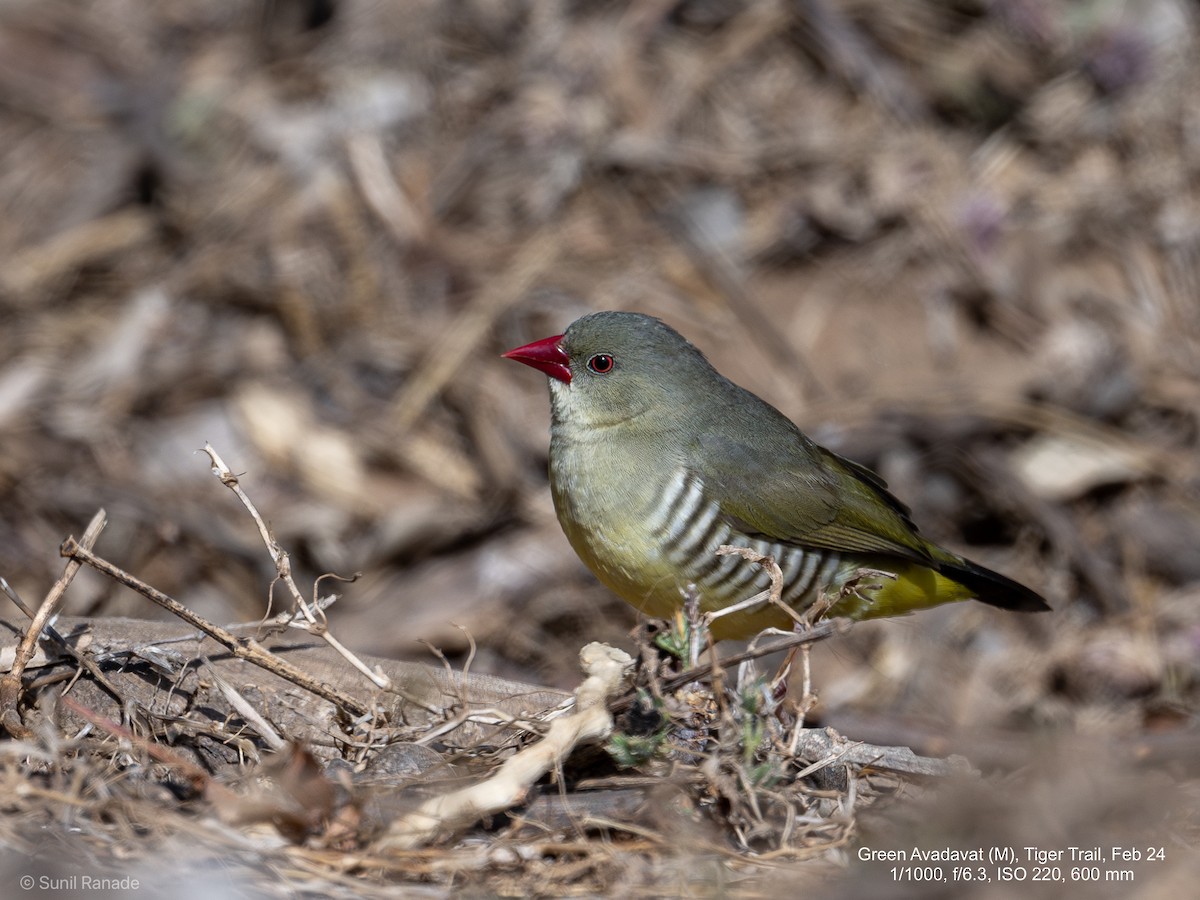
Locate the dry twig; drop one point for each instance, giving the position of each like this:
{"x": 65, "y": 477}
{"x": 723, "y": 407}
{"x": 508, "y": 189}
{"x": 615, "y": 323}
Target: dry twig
{"x": 242, "y": 647}
{"x": 606, "y": 669}
{"x": 283, "y": 565}
{"x": 826, "y": 746}
{"x": 10, "y": 684}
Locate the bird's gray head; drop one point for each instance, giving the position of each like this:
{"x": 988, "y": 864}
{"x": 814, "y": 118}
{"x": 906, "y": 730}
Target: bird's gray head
{"x": 610, "y": 367}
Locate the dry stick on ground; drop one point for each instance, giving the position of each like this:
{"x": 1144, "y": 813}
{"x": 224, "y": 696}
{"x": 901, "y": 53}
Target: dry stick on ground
{"x": 242, "y": 647}
{"x": 607, "y": 670}
{"x": 826, "y": 746}
{"x": 10, "y": 685}
{"x": 245, "y": 709}
{"x": 283, "y": 565}
{"x": 63, "y": 646}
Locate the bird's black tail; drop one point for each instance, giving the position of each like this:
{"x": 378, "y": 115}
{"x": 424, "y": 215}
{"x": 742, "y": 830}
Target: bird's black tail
{"x": 993, "y": 588}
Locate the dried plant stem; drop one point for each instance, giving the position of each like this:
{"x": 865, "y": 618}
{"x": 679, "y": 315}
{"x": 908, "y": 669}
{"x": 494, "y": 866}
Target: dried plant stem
{"x": 826, "y": 746}
{"x": 10, "y": 684}
{"x": 242, "y": 647}
{"x": 283, "y": 565}
{"x": 76, "y": 652}
{"x": 606, "y": 671}
{"x": 246, "y": 710}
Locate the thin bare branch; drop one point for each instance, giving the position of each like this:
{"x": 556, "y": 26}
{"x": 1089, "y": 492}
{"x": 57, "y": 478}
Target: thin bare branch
{"x": 242, "y": 647}
{"x": 10, "y": 684}
{"x": 283, "y": 565}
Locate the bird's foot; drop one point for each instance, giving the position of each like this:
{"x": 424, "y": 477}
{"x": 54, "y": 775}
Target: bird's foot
{"x": 741, "y": 606}
{"x": 864, "y": 579}
{"x": 773, "y": 594}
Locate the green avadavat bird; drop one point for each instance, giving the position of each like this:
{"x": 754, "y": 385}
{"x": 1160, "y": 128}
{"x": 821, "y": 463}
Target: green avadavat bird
{"x": 657, "y": 460}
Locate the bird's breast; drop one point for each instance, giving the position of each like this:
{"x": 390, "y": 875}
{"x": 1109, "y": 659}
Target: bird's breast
{"x": 602, "y": 499}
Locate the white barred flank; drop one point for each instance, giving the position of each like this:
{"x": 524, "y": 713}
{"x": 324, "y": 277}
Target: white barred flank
{"x": 691, "y": 529}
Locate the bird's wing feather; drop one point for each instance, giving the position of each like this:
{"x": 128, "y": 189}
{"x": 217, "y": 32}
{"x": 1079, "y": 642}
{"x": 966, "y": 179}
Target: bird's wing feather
{"x": 800, "y": 493}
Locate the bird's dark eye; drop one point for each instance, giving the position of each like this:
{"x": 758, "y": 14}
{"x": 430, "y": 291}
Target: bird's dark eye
{"x": 601, "y": 363}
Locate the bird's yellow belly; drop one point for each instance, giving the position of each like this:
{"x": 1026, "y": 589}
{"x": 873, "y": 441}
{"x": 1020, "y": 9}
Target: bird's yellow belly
{"x": 629, "y": 565}
{"x": 625, "y": 559}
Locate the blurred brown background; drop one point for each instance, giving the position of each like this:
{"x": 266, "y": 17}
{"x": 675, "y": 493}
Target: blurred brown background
{"x": 956, "y": 241}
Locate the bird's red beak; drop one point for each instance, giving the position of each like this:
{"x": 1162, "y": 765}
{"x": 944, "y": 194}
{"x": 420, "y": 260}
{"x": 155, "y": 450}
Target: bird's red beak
{"x": 546, "y": 355}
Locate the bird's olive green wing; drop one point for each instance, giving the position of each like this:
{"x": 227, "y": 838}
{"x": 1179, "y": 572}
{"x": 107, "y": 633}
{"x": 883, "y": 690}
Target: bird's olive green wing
{"x": 800, "y": 493}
